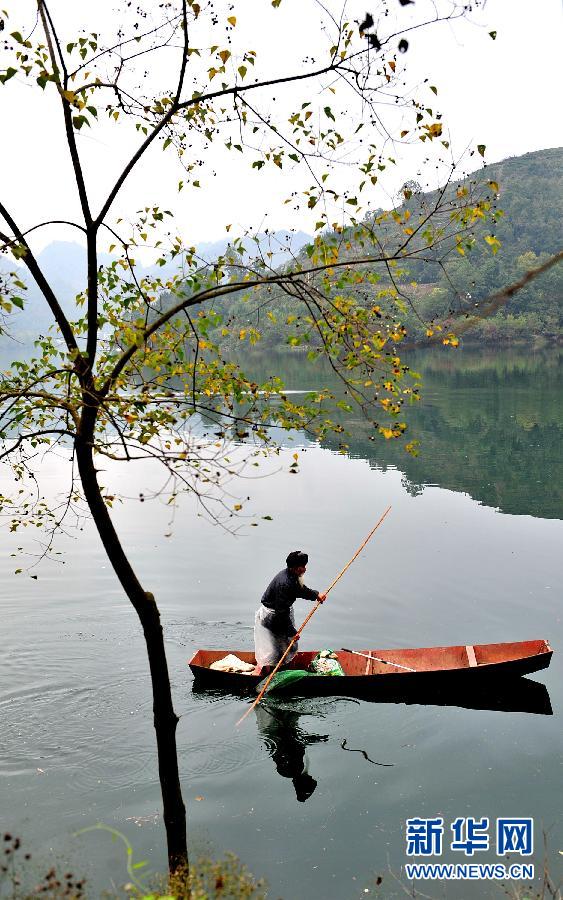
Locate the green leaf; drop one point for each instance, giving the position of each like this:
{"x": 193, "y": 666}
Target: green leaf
{"x": 7, "y": 74}
{"x": 79, "y": 121}
{"x": 329, "y": 113}
{"x": 481, "y": 149}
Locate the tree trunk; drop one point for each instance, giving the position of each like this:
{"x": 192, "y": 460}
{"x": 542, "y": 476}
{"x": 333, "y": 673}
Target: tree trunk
{"x": 165, "y": 719}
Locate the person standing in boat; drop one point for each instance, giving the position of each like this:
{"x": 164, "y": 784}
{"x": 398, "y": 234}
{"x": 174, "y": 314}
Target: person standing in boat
{"x": 274, "y": 623}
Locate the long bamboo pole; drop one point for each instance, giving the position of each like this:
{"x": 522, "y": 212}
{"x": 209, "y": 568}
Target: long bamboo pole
{"x": 297, "y": 634}
{"x": 386, "y": 662}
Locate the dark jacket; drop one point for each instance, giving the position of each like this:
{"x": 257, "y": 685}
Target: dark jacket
{"x": 280, "y": 595}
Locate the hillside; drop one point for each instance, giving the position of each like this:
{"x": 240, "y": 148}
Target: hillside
{"x": 531, "y": 197}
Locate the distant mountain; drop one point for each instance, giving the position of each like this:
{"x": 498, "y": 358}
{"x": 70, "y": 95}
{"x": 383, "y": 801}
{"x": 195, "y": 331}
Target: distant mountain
{"x": 278, "y": 243}
{"x": 531, "y": 196}
{"x": 64, "y": 265}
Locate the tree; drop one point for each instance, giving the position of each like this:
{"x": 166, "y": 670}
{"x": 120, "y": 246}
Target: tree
{"x": 125, "y": 375}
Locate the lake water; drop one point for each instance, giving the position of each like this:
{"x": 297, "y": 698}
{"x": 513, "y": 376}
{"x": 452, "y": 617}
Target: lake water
{"x": 471, "y": 552}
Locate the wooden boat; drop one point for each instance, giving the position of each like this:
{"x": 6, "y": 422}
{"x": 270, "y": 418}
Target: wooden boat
{"x": 422, "y": 668}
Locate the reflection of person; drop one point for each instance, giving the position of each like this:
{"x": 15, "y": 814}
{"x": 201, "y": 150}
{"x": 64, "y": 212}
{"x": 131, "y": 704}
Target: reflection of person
{"x": 287, "y": 745}
{"x": 274, "y": 623}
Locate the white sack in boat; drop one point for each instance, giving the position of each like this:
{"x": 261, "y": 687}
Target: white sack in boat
{"x": 232, "y": 663}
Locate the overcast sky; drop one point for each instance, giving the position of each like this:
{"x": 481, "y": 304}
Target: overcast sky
{"x": 504, "y": 93}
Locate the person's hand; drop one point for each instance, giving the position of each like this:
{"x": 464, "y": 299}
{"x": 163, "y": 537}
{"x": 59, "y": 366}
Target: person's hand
{"x": 321, "y": 598}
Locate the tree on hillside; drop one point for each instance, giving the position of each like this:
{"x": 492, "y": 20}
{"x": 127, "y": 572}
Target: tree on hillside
{"x": 128, "y": 375}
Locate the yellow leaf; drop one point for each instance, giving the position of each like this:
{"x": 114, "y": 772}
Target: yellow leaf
{"x": 69, "y": 95}
{"x": 434, "y": 130}
{"x": 232, "y": 20}
{"x": 237, "y": 506}
{"x": 224, "y": 55}
{"x": 242, "y": 70}
{"x": 296, "y": 456}
{"x": 493, "y": 243}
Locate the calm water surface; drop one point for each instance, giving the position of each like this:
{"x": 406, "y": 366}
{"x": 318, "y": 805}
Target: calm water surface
{"x": 471, "y": 552}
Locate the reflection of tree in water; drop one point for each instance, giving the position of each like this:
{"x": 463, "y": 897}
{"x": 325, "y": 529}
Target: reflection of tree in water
{"x": 287, "y": 745}
{"x": 489, "y": 426}
{"x": 412, "y": 487}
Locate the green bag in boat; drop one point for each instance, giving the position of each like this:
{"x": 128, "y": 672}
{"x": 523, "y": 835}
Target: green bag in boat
{"x": 326, "y": 663}
{"x": 283, "y": 680}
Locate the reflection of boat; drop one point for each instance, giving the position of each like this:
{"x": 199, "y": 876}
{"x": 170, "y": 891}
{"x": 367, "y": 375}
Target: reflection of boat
{"x": 505, "y": 695}
{"x": 391, "y": 672}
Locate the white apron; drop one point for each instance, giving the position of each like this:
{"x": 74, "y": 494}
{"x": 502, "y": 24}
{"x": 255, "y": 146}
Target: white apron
{"x": 270, "y": 646}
